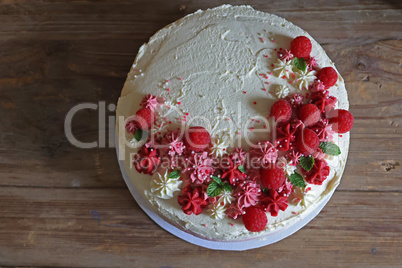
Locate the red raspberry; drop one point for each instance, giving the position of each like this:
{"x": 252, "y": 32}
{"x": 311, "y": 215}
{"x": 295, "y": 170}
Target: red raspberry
{"x": 309, "y": 114}
{"x": 272, "y": 178}
{"x": 281, "y": 111}
{"x": 196, "y": 139}
{"x": 255, "y": 219}
{"x": 301, "y": 47}
{"x": 144, "y": 118}
{"x": 328, "y": 76}
{"x": 307, "y": 141}
{"x": 341, "y": 120}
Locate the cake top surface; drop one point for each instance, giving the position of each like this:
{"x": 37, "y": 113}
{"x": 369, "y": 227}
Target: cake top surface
{"x": 218, "y": 66}
{"x": 223, "y": 69}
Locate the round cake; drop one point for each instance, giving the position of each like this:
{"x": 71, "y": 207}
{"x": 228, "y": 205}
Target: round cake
{"x": 233, "y": 124}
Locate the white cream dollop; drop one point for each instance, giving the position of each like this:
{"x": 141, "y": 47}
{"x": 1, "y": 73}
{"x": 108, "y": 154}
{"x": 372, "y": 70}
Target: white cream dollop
{"x": 282, "y": 92}
{"x": 226, "y": 198}
{"x": 219, "y": 147}
{"x": 163, "y": 186}
{"x": 159, "y": 128}
{"x": 283, "y": 68}
{"x": 303, "y": 196}
{"x": 286, "y": 165}
{"x": 217, "y": 210}
{"x": 304, "y": 78}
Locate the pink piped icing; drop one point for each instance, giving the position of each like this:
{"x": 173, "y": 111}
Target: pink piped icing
{"x": 274, "y": 202}
{"x": 286, "y": 188}
{"x": 210, "y": 200}
{"x": 324, "y": 130}
{"x": 318, "y": 173}
{"x": 234, "y": 210}
{"x": 192, "y": 201}
{"x": 295, "y": 99}
{"x": 146, "y": 160}
{"x": 294, "y": 157}
{"x": 131, "y": 127}
{"x": 297, "y": 123}
{"x": 232, "y": 173}
{"x": 173, "y": 148}
{"x": 285, "y": 136}
{"x": 150, "y": 102}
{"x": 238, "y": 155}
{"x": 323, "y": 101}
{"x": 151, "y": 144}
{"x": 319, "y": 154}
{"x": 285, "y": 55}
{"x": 200, "y": 168}
{"x": 247, "y": 194}
{"x": 176, "y": 146}
{"x": 254, "y": 174}
{"x": 317, "y": 86}
{"x": 311, "y": 63}
{"x": 265, "y": 153}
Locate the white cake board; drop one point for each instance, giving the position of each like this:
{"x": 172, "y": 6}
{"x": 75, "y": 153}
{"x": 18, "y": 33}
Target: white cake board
{"x": 217, "y": 245}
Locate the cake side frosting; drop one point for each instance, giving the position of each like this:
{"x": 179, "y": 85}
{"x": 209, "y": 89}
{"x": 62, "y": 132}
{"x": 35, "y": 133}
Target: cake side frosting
{"x": 219, "y": 69}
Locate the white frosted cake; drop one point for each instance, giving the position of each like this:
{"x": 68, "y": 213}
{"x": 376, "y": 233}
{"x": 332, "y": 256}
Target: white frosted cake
{"x": 233, "y": 124}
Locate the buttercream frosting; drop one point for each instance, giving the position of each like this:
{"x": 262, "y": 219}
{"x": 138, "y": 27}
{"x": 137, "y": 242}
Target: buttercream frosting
{"x": 163, "y": 186}
{"x": 217, "y": 211}
{"x": 283, "y": 67}
{"x": 282, "y": 92}
{"x": 219, "y": 147}
{"x": 286, "y": 165}
{"x": 305, "y": 78}
{"x": 226, "y": 198}
{"x": 211, "y": 69}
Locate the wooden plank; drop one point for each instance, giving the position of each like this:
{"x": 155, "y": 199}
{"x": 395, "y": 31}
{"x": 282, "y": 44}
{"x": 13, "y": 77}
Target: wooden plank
{"x": 49, "y": 227}
{"x": 56, "y": 54}
{"x": 356, "y": 22}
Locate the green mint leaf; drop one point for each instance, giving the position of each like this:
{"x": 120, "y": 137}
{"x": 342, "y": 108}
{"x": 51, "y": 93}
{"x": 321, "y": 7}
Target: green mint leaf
{"x": 227, "y": 187}
{"x": 138, "y": 135}
{"x": 300, "y": 64}
{"x": 242, "y": 169}
{"x": 217, "y": 180}
{"x": 307, "y": 162}
{"x": 330, "y": 148}
{"x": 174, "y": 174}
{"x": 214, "y": 189}
{"x": 265, "y": 190}
{"x": 297, "y": 180}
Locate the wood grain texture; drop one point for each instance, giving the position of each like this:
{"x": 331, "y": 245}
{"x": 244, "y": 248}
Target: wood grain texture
{"x": 35, "y": 219}
{"x": 57, "y": 54}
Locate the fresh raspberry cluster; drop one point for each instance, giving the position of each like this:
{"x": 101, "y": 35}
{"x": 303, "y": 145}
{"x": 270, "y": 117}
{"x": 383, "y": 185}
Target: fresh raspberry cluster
{"x": 301, "y": 47}
{"x": 318, "y": 107}
{"x": 302, "y": 124}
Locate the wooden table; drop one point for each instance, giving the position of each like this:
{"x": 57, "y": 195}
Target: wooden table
{"x": 65, "y": 206}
